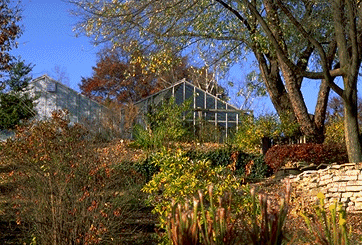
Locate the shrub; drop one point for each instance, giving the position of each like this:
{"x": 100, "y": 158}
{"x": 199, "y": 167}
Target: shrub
{"x": 334, "y": 131}
{"x": 180, "y": 179}
{"x": 66, "y": 191}
{"x": 146, "y": 139}
{"x": 279, "y": 155}
{"x": 247, "y": 165}
{"x": 146, "y": 167}
{"x": 251, "y": 130}
{"x": 164, "y": 124}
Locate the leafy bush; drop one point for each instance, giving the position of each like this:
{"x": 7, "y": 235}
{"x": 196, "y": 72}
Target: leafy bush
{"x": 251, "y": 130}
{"x": 146, "y": 167}
{"x": 66, "y": 191}
{"x": 164, "y": 124}
{"x": 146, "y": 139}
{"x": 247, "y": 165}
{"x": 335, "y": 131}
{"x": 279, "y": 155}
{"x": 180, "y": 179}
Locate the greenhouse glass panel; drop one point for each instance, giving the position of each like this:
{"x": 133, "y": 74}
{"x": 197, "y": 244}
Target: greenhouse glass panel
{"x": 167, "y": 94}
{"x": 206, "y": 108}
{"x": 221, "y": 105}
{"x": 231, "y": 125}
{"x": 222, "y": 126}
{"x": 210, "y": 116}
{"x": 221, "y": 117}
{"x": 232, "y": 116}
{"x": 189, "y": 92}
{"x": 179, "y": 94}
{"x": 210, "y": 102}
{"x": 200, "y": 96}
{"x": 159, "y": 98}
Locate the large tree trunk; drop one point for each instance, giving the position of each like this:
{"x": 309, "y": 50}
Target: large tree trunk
{"x": 292, "y": 80}
{"x": 345, "y": 15}
{"x": 275, "y": 87}
{"x": 313, "y": 129}
{"x": 305, "y": 121}
{"x": 321, "y": 108}
{"x": 351, "y": 128}
{"x": 323, "y": 95}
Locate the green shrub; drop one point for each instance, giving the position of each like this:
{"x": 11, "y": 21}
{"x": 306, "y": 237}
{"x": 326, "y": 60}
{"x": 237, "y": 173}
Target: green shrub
{"x": 247, "y": 165}
{"x": 259, "y": 169}
{"x": 146, "y": 139}
{"x": 180, "y": 179}
{"x": 279, "y": 155}
{"x": 146, "y": 167}
{"x": 252, "y": 129}
{"x": 163, "y": 124}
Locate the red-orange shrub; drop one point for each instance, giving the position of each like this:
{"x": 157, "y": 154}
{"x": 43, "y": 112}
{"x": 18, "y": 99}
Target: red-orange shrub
{"x": 279, "y": 155}
{"x": 66, "y": 189}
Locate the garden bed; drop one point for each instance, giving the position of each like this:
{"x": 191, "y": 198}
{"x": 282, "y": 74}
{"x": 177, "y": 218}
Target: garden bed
{"x": 139, "y": 227}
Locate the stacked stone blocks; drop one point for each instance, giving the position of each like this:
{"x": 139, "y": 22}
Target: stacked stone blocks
{"x": 341, "y": 183}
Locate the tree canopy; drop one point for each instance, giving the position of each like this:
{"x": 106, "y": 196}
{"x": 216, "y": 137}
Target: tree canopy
{"x": 222, "y": 31}
{"x": 9, "y": 31}
{"x": 122, "y": 77}
{"x": 291, "y": 40}
{"x": 16, "y": 105}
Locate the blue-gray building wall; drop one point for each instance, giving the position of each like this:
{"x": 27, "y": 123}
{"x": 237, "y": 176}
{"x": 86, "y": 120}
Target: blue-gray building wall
{"x": 53, "y": 95}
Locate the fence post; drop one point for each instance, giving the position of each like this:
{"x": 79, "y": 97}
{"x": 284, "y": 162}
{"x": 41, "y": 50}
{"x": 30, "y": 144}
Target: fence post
{"x": 265, "y": 144}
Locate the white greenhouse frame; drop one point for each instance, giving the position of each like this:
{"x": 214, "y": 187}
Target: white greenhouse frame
{"x": 205, "y": 106}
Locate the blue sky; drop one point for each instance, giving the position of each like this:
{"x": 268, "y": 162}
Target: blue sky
{"x": 48, "y": 42}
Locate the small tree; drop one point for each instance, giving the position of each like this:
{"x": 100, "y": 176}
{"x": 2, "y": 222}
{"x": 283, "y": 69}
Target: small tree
{"x": 164, "y": 124}
{"x": 16, "y": 105}
{"x": 252, "y": 130}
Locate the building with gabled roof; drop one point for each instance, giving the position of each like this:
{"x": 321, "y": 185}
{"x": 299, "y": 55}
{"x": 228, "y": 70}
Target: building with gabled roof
{"x": 53, "y": 95}
{"x": 206, "y": 108}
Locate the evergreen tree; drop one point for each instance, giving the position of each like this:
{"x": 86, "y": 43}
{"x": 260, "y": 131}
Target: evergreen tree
{"x": 16, "y": 104}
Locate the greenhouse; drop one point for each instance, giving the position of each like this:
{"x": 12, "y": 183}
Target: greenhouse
{"x": 210, "y": 115}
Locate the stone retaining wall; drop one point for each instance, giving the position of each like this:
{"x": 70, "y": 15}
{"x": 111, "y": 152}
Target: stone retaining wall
{"x": 341, "y": 183}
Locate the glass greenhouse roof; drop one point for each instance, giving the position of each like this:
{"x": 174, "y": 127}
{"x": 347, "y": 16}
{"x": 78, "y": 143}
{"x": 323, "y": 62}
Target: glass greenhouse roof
{"x": 205, "y": 106}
